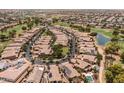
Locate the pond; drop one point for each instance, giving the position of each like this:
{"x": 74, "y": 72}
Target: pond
{"x": 101, "y": 39}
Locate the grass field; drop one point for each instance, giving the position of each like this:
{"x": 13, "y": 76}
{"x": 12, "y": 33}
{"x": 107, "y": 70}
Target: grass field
{"x": 106, "y": 32}
{"x": 65, "y": 50}
{"x": 3, "y": 45}
{"x": 18, "y": 29}
{"x": 121, "y": 44}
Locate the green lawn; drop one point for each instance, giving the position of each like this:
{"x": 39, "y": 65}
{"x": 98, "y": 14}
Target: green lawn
{"x": 106, "y": 32}
{"x": 121, "y": 44}
{"x": 65, "y": 50}
{"x": 3, "y": 45}
{"x": 18, "y": 29}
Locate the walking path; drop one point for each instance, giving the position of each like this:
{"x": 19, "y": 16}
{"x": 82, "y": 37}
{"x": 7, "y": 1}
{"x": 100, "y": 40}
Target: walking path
{"x": 101, "y": 70}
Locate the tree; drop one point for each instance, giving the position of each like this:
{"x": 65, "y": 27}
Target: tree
{"x": 122, "y": 31}
{"x": 30, "y": 22}
{"x": 116, "y": 69}
{"x": 36, "y": 20}
{"x": 88, "y": 29}
{"x": 30, "y": 25}
{"x": 81, "y": 29}
{"x": 115, "y": 39}
{"x": 24, "y": 27}
{"x": 28, "y": 19}
{"x": 57, "y": 51}
{"x": 99, "y": 58}
{"x": 112, "y": 48}
{"x": 48, "y": 32}
{"x": 3, "y": 30}
{"x": 93, "y": 34}
{"x": 115, "y": 32}
{"x": 109, "y": 76}
{"x": 2, "y": 37}
{"x": 122, "y": 56}
{"x": 113, "y": 73}
{"x": 54, "y": 20}
{"x": 12, "y": 33}
{"x": 119, "y": 78}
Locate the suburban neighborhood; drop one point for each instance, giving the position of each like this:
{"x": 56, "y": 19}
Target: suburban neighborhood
{"x": 61, "y": 46}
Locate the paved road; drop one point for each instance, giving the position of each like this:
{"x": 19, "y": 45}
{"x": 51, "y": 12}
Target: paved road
{"x": 31, "y": 42}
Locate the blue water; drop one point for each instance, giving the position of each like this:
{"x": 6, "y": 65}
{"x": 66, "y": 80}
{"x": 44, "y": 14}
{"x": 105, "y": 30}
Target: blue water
{"x": 101, "y": 39}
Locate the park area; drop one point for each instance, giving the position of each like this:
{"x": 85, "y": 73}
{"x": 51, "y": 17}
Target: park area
{"x": 108, "y": 33}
